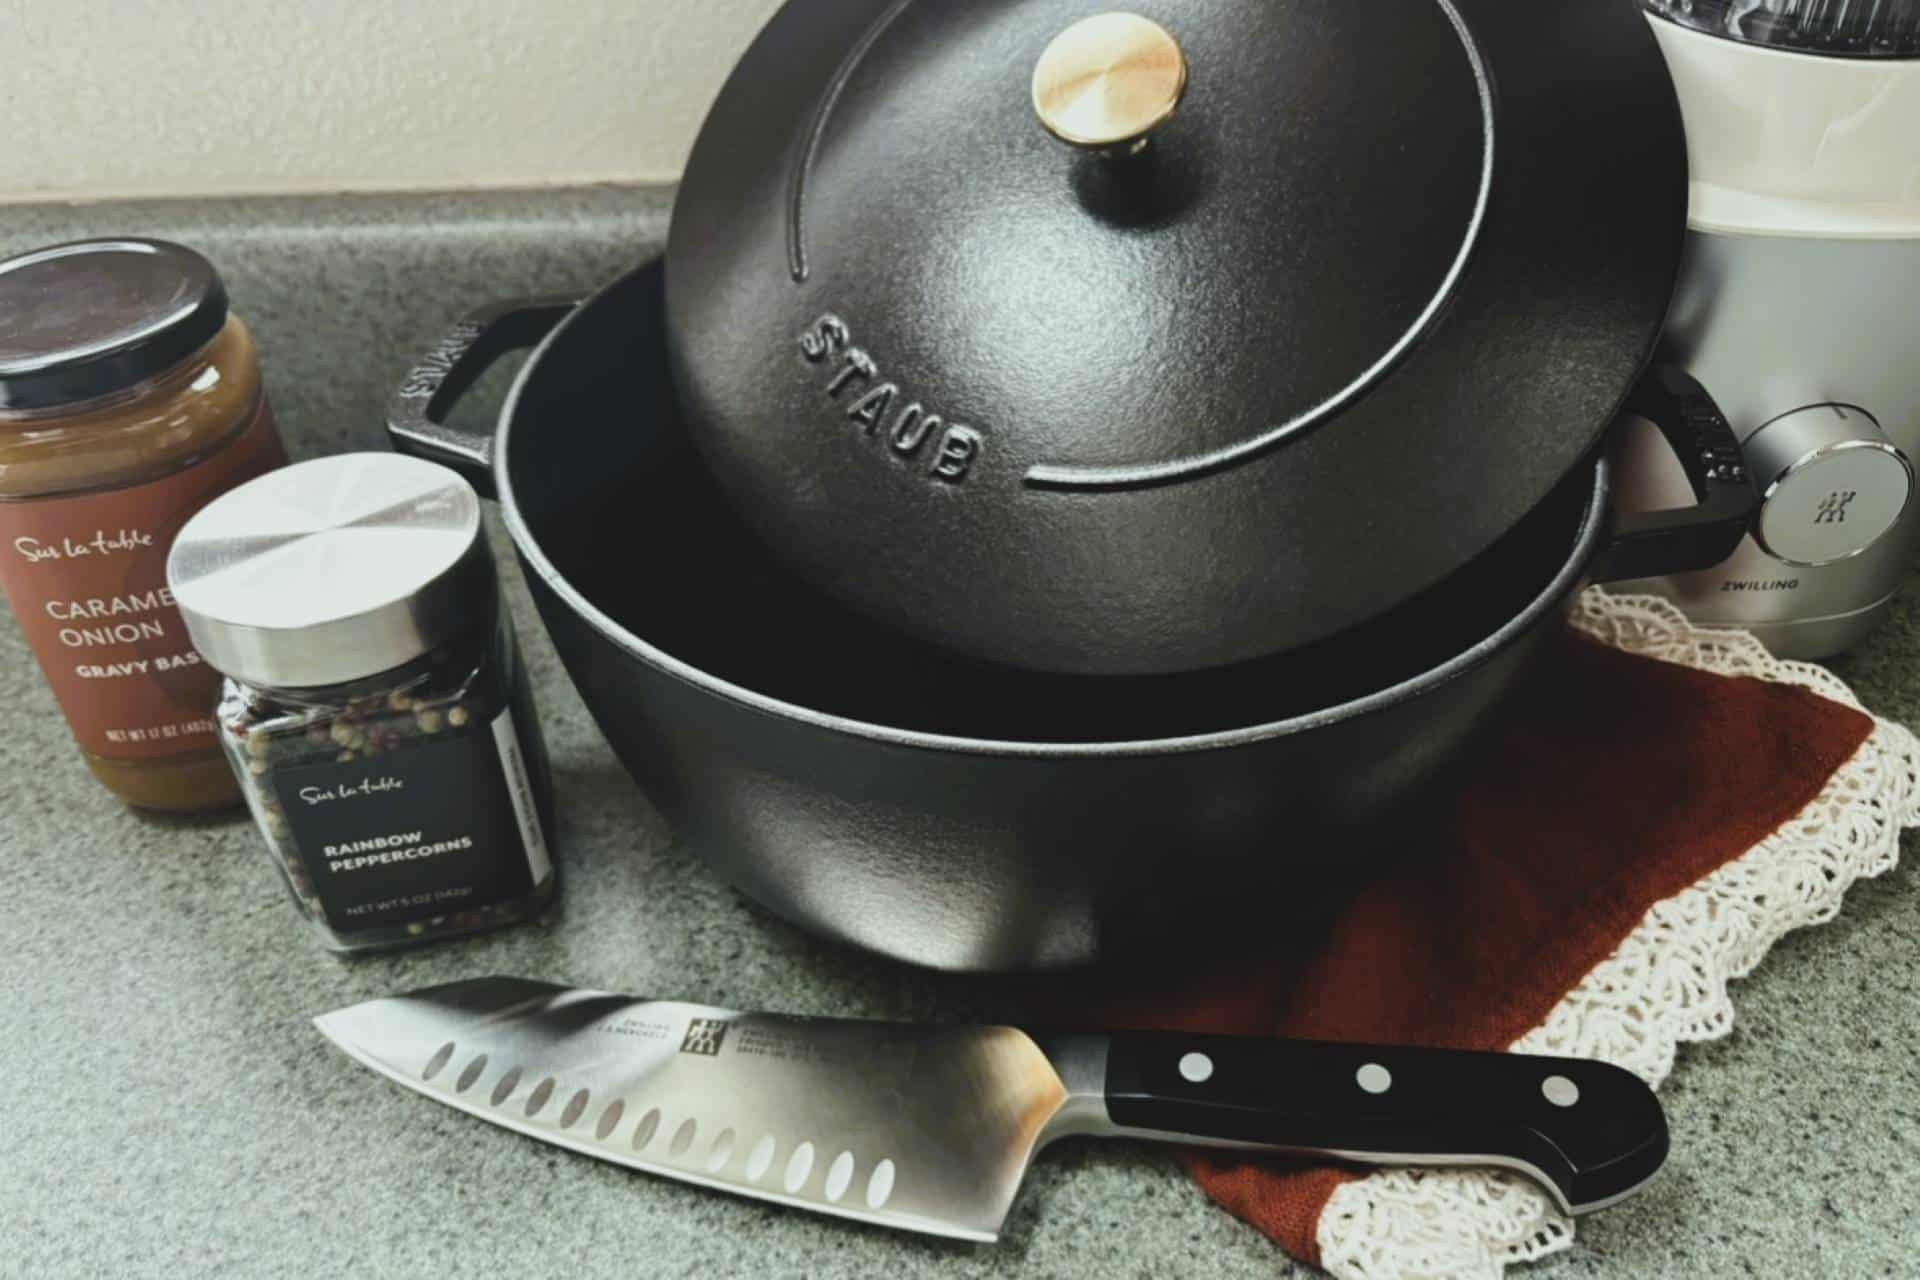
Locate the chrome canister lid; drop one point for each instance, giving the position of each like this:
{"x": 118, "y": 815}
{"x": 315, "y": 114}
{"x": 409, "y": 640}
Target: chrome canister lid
{"x": 1829, "y": 28}
{"x": 333, "y": 571}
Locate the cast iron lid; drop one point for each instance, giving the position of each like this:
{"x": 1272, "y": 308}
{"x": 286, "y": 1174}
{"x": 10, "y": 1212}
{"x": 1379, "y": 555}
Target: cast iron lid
{"x": 1378, "y": 279}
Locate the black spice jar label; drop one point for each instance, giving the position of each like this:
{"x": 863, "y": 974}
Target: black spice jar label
{"x": 414, "y": 835}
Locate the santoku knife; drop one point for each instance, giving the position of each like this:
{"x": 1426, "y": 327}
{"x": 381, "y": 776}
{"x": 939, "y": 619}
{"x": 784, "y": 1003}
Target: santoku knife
{"x": 931, "y": 1128}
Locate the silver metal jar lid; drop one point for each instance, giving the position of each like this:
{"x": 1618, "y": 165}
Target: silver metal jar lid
{"x": 333, "y": 571}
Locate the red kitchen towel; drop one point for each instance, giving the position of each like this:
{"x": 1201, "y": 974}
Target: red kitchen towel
{"x": 1663, "y": 807}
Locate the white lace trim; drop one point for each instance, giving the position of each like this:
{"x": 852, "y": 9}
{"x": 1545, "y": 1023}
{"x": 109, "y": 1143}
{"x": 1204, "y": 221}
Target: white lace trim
{"x": 1667, "y": 984}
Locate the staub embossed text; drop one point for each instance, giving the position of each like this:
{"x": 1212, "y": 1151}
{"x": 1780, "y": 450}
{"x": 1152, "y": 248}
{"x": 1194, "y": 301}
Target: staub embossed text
{"x": 883, "y": 411}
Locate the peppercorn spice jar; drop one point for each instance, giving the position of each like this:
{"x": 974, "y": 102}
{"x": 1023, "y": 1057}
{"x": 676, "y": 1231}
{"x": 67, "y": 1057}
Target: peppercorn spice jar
{"x": 129, "y": 397}
{"x": 375, "y": 707}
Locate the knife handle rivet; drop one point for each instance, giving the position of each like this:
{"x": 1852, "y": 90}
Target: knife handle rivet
{"x": 1196, "y": 1068}
{"x": 1374, "y": 1078}
{"x": 1560, "y": 1091}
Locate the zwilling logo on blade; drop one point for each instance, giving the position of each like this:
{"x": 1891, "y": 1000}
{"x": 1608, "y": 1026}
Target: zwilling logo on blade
{"x": 704, "y": 1037}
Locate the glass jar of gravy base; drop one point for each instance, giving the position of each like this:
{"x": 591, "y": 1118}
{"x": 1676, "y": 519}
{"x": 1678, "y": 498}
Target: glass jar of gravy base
{"x": 375, "y": 709}
{"x": 129, "y": 397}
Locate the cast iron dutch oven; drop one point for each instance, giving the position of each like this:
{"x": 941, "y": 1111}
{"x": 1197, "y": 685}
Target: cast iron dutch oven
{"x": 1258, "y": 461}
{"x": 941, "y": 811}
{"x": 1149, "y": 342}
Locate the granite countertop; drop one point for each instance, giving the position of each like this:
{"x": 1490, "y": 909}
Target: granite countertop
{"x": 172, "y": 1112}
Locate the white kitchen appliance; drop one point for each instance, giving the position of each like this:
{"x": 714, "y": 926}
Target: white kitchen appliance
{"x": 1800, "y": 305}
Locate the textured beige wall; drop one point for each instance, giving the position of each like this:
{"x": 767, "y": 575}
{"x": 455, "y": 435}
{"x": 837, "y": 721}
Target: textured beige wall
{"x": 113, "y": 98}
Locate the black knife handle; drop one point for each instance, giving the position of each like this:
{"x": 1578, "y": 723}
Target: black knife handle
{"x": 1591, "y": 1133}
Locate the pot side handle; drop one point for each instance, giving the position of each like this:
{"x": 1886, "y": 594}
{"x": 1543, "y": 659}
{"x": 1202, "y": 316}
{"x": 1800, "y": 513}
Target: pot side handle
{"x": 1650, "y": 544}
{"x": 416, "y": 418}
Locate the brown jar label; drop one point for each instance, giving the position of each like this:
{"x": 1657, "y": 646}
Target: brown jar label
{"x": 87, "y": 578}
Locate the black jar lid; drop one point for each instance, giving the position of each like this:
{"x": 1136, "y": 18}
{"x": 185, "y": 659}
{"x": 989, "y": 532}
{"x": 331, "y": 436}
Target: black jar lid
{"x": 87, "y": 319}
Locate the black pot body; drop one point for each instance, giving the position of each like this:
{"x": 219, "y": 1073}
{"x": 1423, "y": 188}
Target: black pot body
{"x": 957, "y": 853}
{"x": 994, "y": 861}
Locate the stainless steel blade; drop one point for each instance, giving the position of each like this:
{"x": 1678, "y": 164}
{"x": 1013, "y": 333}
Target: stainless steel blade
{"x": 924, "y": 1128}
